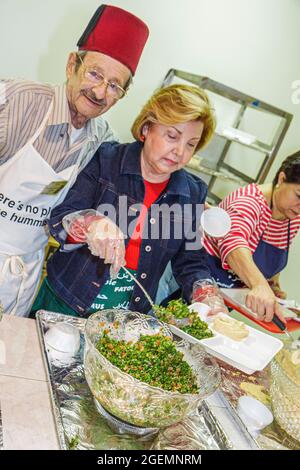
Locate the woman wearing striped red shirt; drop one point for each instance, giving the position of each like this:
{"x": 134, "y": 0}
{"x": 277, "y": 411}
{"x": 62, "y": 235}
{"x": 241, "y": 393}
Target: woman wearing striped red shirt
{"x": 265, "y": 219}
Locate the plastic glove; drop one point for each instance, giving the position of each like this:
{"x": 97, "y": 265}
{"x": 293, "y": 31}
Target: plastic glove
{"x": 106, "y": 240}
{"x": 102, "y": 236}
{"x": 207, "y": 292}
{"x": 76, "y": 224}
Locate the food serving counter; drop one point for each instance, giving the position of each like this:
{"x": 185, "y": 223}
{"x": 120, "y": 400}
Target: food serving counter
{"x": 26, "y": 418}
{"x": 34, "y": 415}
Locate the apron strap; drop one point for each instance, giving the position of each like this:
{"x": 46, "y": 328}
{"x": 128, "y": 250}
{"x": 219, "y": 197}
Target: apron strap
{"x": 16, "y": 266}
{"x": 37, "y": 132}
{"x": 42, "y": 126}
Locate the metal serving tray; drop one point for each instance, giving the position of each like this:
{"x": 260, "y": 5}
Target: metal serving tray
{"x": 80, "y": 426}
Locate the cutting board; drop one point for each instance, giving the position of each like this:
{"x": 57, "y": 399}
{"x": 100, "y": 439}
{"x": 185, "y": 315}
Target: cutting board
{"x": 235, "y": 298}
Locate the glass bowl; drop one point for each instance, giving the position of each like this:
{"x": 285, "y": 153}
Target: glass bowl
{"x": 285, "y": 398}
{"x": 129, "y": 399}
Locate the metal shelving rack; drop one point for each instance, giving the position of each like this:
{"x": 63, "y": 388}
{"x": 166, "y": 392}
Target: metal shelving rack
{"x": 222, "y": 170}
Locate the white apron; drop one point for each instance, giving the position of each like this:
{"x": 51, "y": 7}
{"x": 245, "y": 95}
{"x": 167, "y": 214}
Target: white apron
{"x": 27, "y": 187}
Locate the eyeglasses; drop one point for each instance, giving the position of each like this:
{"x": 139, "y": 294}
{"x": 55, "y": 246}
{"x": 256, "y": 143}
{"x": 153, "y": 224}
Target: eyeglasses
{"x": 112, "y": 88}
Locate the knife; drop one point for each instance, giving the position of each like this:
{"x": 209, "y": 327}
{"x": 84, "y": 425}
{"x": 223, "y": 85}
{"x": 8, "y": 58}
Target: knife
{"x": 276, "y": 320}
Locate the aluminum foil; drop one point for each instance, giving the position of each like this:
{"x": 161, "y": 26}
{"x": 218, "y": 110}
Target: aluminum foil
{"x": 81, "y": 426}
{"x": 236, "y": 383}
{"x": 200, "y": 431}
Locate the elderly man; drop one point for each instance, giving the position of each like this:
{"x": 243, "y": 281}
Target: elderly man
{"x": 48, "y": 134}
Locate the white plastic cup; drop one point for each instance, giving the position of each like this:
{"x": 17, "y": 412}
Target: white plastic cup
{"x": 201, "y": 309}
{"x": 215, "y": 222}
{"x": 63, "y": 337}
{"x": 254, "y": 414}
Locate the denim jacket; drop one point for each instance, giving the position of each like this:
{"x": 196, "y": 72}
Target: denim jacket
{"x": 114, "y": 171}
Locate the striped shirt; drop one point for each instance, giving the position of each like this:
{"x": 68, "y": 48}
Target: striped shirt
{"x": 23, "y": 105}
{"x": 251, "y": 220}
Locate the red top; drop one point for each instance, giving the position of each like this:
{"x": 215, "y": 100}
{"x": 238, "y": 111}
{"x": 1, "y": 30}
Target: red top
{"x": 152, "y": 193}
{"x": 251, "y": 220}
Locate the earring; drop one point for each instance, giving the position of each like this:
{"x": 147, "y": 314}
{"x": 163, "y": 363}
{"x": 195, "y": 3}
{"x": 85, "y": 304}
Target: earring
{"x": 277, "y": 186}
{"x": 142, "y": 138}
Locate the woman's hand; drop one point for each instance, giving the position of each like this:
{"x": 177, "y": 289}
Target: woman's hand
{"x": 207, "y": 292}
{"x": 103, "y": 237}
{"x": 78, "y": 229}
{"x": 106, "y": 240}
{"x": 261, "y": 300}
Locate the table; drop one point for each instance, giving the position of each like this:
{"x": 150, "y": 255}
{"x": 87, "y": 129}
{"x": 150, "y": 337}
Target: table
{"x": 25, "y": 406}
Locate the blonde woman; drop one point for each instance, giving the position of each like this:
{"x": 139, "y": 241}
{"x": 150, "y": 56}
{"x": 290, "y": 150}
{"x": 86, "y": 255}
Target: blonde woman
{"x": 142, "y": 189}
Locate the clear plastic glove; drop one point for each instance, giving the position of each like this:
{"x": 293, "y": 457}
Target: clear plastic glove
{"x": 102, "y": 236}
{"x": 106, "y": 240}
{"x": 76, "y": 224}
{"x": 207, "y": 292}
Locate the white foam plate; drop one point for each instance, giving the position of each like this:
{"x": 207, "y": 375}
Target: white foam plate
{"x": 249, "y": 355}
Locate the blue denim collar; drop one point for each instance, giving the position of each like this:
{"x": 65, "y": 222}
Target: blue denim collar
{"x": 178, "y": 184}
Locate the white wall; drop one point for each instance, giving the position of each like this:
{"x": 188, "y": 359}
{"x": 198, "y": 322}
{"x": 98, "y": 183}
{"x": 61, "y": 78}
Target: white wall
{"x": 252, "y": 46}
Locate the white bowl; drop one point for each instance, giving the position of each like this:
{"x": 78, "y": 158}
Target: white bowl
{"x": 215, "y": 222}
{"x": 254, "y": 414}
{"x": 59, "y": 358}
{"x": 63, "y": 337}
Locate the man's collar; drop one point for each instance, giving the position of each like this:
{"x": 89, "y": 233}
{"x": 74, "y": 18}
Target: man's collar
{"x": 131, "y": 165}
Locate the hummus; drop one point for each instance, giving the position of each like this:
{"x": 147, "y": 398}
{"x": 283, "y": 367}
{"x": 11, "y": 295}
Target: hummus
{"x": 230, "y": 327}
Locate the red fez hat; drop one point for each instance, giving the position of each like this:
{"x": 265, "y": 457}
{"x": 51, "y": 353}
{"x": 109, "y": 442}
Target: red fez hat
{"x": 116, "y": 33}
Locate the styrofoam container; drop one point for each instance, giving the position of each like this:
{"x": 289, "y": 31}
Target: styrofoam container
{"x": 63, "y": 338}
{"x": 248, "y": 355}
{"x": 215, "y": 222}
{"x": 201, "y": 309}
{"x": 254, "y": 414}
{"x": 59, "y": 358}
